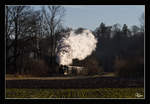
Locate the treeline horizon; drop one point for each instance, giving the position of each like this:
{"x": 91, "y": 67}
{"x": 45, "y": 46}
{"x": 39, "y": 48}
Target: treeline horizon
{"x": 32, "y": 35}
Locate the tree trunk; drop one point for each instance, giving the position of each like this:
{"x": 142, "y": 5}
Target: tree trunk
{"x": 16, "y": 45}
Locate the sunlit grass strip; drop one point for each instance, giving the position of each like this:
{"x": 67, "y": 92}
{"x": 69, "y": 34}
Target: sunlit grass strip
{"x": 74, "y": 93}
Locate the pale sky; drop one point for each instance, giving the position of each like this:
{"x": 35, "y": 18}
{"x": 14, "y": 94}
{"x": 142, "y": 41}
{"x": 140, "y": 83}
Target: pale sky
{"x": 90, "y": 16}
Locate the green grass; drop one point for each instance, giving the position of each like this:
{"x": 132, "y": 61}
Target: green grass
{"x": 74, "y": 93}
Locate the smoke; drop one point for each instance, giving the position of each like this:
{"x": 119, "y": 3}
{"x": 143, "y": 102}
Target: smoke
{"x": 75, "y": 46}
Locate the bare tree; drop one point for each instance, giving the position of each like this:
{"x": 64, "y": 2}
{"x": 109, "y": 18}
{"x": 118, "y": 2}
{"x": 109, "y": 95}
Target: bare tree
{"x": 142, "y": 21}
{"x": 135, "y": 29}
{"x": 12, "y": 30}
{"x": 54, "y": 16}
{"x": 20, "y": 22}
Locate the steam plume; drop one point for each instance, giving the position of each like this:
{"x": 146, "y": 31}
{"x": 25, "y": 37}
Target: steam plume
{"x": 75, "y": 46}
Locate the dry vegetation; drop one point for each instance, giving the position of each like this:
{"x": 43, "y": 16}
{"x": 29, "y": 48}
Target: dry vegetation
{"x": 75, "y": 93}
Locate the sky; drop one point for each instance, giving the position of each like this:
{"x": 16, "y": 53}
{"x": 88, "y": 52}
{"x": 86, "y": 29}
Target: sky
{"x": 90, "y": 16}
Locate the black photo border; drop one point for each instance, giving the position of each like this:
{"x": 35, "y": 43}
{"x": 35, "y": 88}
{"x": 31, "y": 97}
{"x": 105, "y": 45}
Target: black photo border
{"x": 75, "y": 101}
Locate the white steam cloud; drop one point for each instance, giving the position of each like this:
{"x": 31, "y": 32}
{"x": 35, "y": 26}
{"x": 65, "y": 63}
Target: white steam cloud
{"x": 75, "y": 46}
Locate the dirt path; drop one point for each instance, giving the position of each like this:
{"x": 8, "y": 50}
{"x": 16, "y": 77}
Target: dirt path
{"x": 12, "y": 77}
{"x": 47, "y": 78}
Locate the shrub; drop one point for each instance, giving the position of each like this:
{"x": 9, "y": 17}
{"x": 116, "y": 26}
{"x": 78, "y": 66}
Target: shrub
{"x": 129, "y": 68}
{"x": 39, "y": 68}
{"x": 93, "y": 67}
{"x": 36, "y": 68}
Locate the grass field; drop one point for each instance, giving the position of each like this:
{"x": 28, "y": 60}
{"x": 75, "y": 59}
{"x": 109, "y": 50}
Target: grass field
{"x": 75, "y": 93}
